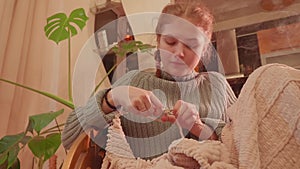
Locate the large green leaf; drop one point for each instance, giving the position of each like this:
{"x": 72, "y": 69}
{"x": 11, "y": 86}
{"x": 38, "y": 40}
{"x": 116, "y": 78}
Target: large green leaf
{"x": 9, "y": 141}
{"x": 123, "y": 48}
{"x": 10, "y": 160}
{"x": 16, "y": 164}
{"x": 59, "y": 27}
{"x": 38, "y": 122}
{"x": 9, "y": 149}
{"x": 49, "y": 95}
{"x": 13, "y": 156}
{"x": 3, "y": 159}
{"x": 44, "y": 148}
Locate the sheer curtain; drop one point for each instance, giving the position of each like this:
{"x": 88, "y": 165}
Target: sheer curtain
{"x": 28, "y": 57}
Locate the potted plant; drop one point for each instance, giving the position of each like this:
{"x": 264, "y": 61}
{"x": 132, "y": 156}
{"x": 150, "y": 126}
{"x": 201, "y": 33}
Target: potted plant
{"x": 42, "y": 140}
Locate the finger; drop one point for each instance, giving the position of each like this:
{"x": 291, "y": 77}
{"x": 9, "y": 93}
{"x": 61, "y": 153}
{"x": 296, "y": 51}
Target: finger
{"x": 164, "y": 118}
{"x": 182, "y": 112}
{"x": 177, "y": 107}
{"x": 150, "y": 108}
{"x": 139, "y": 106}
{"x": 158, "y": 106}
{"x": 168, "y": 117}
{"x": 155, "y": 101}
{"x": 146, "y": 101}
{"x": 171, "y": 118}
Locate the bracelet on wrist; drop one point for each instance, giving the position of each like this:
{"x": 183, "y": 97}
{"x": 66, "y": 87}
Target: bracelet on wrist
{"x": 107, "y": 102}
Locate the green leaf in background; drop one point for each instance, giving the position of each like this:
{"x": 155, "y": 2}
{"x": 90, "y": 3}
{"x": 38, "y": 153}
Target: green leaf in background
{"x": 44, "y": 148}
{"x": 49, "y": 95}
{"x": 59, "y": 27}
{"x": 10, "y": 141}
{"x": 38, "y": 122}
{"x": 16, "y": 164}
{"x": 123, "y": 48}
{"x": 78, "y": 17}
{"x": 13, "y": 156}
{"x": 9, "y": 149}
{"x": 3, "y": 158}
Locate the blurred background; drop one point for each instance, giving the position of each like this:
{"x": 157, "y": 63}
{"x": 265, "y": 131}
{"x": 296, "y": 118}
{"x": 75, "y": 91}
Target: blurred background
{"x": 247, "y": 34}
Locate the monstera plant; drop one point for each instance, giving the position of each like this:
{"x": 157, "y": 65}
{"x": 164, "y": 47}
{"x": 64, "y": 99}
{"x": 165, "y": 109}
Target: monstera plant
{"x": 44, "y": 142}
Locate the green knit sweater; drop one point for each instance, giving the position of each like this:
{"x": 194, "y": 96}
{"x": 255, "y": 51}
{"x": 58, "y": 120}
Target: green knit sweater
{"x": 209, "y": 92}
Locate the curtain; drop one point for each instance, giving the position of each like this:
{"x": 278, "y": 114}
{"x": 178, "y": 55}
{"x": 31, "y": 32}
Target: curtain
{"x": 29, "y": 58}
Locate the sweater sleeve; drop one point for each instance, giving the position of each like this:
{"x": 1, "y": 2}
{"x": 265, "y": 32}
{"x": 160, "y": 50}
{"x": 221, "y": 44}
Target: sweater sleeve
{"x": 91, "y": 115}
{"x": 222, "y": 98}
{"x": 220, "y": 83}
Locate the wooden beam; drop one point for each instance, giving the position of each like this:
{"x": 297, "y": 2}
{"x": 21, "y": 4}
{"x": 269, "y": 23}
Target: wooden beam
{"x": 258, "y": 17}
{"x": 236, "y": 13}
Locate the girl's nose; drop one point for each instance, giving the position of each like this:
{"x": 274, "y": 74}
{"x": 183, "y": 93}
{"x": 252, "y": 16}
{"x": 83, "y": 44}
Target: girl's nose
{"x": 179, "y": 50}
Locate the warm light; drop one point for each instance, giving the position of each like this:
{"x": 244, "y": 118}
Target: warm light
{"x": 100, "y": 2}
{"x": 128, "y": 38}
{"x": 271, "y": 5}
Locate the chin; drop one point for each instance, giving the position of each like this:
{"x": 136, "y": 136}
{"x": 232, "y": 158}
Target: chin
{"x": 179, "y": 73}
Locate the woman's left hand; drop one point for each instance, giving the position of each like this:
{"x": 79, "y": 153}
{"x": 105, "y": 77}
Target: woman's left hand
{"x": 185, "y": 113}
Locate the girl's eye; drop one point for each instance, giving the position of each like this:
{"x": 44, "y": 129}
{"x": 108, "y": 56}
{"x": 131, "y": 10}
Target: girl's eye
{"x": 170, "y": 40}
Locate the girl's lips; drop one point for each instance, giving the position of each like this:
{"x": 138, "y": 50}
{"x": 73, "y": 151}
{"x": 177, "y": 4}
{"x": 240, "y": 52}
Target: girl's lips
{"x": 178, "y": 63}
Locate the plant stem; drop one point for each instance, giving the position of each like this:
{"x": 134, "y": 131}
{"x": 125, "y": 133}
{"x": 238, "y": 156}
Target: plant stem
{"x": 50, "y": 131}
{"x": 69, "y": 66}
{"x": 99, "y": 84}
{"x": 52, "y": 128}
{"x": 40, "y": 163}
{"x": 49, "y": 95}
{"x": 57, "y": 126}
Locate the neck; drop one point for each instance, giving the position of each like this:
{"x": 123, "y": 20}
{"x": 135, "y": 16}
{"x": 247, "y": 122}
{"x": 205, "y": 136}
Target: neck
{"x": 164, "y": 75}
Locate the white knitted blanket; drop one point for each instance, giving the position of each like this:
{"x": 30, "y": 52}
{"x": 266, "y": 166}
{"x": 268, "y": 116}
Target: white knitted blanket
{"x": 265, "y": 127}
{"x": 183, "y": 153}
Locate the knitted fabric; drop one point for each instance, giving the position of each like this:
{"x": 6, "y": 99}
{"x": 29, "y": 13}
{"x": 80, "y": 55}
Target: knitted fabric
{"x": 265, "y": 128}
{"x": 183, "y": 153}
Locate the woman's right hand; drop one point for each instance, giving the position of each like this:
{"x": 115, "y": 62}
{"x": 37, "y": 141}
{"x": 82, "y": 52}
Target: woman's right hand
{"x": 135, "y": 100}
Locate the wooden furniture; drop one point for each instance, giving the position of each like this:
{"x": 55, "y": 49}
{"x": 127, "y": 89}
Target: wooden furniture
{"x": 280, "y": 45}
{"x": 237, "y": 83}
{"x": 84, "y": 154}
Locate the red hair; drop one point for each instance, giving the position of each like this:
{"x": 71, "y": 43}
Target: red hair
{"x": 193, "y": 11}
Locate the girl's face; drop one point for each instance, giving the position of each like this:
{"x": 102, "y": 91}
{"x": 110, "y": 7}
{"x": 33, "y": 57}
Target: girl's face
{"x": 180, "y": 48}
